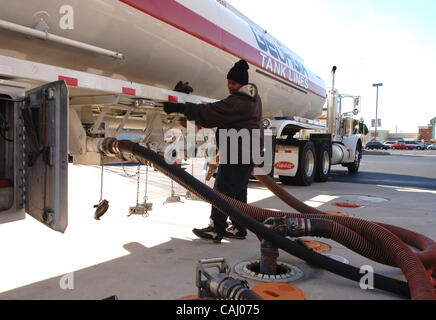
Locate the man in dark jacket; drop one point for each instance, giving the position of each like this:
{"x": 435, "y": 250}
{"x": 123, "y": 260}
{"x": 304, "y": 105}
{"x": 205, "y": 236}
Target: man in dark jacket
{"x": 239, "y": 112}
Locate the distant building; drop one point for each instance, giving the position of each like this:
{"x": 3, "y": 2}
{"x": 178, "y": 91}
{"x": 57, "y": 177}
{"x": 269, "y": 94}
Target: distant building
{"x": 385, "y": 135}
{"x": 433, "y": 124}
{"x": 425, "y": 133}
{"x": 381, "y": 135}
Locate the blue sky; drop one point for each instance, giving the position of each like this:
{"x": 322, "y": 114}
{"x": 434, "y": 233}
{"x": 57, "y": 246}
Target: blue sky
{"x": 387, "y": 41}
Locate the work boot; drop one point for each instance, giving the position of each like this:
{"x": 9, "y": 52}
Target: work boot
{"x": 208, "y": 233}
{"x": 234, "y": 233}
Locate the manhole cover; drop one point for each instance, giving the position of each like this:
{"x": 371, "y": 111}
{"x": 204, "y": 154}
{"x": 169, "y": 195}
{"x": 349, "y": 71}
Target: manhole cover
{"x": 347, "y": 205}
{"x": 285, "y": 272}
{"x": 361, "y": 198}
{"x": 278, "y": 291}
{"x": 316, "y": 246}
{"x": 338, "y": 213}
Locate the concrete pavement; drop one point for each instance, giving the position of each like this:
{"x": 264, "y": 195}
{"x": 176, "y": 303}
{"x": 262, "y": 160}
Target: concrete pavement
{"x": 155, "y": 257}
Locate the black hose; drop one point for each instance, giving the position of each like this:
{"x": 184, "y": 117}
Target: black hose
{"x": 206, "y": 193}
{"x": 249, "y": 295}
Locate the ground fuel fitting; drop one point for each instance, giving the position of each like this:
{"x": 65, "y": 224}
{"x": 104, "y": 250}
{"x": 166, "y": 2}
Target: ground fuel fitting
{"x": 220, "y": 285}
{"x": 224, "y": 287}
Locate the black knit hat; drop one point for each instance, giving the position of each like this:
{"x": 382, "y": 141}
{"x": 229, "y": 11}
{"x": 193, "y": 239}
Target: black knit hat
{"x": 239, "y": 72}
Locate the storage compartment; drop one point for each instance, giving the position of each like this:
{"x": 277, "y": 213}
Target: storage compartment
{"x": 34, "y": 154}
{"x": 6, "y": 198}
{"x": 7, "y": 167}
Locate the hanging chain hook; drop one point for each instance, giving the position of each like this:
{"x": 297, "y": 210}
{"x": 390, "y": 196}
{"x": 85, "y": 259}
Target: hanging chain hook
{"x": 103, "y": 205}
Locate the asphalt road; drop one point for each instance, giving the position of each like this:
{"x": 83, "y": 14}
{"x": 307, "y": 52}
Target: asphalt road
{"x": 404, "y": 168}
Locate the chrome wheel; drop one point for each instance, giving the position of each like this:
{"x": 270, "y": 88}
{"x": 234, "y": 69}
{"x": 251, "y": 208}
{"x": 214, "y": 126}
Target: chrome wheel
{"x": 309, "y": 166}
{"x": 325, "y": 163}
{"x": 354, "y": 167}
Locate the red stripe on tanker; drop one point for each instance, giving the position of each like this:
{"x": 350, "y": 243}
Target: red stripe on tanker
{"x": 253, "y": 45}
{"x": 165, "y": 41}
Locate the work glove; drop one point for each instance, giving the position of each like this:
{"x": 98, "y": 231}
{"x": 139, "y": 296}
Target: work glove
{"x": 183, "y": 87}
{"x": 171, "y": 107}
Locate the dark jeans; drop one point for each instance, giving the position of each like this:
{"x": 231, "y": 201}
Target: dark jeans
{"x": 231, "y": 180}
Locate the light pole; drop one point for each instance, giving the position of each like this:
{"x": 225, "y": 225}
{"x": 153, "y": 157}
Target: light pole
{"x": 376, "y": 108}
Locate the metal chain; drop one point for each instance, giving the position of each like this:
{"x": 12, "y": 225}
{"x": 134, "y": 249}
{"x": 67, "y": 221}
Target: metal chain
{"x": 126, "y": 173}
{"x": 101, "y": 183}
{"x": 172, "y": 188}
{"x": 23, "y": 153}
{"x": 146, "y": 185}
{"x": 138, "y": 174}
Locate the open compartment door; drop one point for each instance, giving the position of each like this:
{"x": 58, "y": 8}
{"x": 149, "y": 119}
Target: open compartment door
{"x": 45, "y": 118}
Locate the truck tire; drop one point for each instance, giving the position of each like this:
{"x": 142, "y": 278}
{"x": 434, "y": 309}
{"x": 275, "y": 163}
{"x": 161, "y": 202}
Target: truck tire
{"x": 306, "y": 166}
{"x": 353, "y": 168}
{"x": 323, "y": 163}
{"x": 288, "y": 180}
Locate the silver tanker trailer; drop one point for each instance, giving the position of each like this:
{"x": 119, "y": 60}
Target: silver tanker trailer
{"x": 74, "y": 74}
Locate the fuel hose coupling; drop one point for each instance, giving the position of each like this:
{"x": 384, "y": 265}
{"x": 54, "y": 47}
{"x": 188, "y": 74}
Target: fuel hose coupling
{"x": 112, "y": 147}
{"x": 289, "y": 227}
{"x": 298, "y": 227}
{"x": 220, "y": 285}
{"x": 109, "y": 146}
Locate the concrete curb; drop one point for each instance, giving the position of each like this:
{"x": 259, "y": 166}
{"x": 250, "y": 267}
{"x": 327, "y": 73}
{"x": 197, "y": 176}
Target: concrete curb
{"x": 372, "y": 152}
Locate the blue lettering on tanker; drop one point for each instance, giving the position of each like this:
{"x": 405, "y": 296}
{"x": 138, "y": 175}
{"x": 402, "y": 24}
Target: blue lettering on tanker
{"x": 280, "y": 61}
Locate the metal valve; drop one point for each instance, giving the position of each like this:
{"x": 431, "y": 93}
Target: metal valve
{"x": 289, "y": 227}
{"x": 221, "y": 285}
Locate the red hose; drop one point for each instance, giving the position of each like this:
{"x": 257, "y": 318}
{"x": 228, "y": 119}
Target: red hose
{"x": 419, "y": 241}
{"x": 396, "y": 250}
{"x": 330, "y": 229}
{"x": 427, "y": 245}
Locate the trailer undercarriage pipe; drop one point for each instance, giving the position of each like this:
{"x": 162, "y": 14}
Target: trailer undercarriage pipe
{"x": 54, "y": 38}
{"x": 419, "y": 282}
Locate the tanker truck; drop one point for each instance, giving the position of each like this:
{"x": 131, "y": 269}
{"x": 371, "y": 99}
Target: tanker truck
{"x": 72, "y": 74}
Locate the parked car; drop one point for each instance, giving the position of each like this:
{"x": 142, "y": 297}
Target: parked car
{"x": 376, "y": 145}
{"x": 432, "y": 147}
{"x": 389, "y": 143}
{"x": 400, "y": 145}
{"x": 416, "y": 145}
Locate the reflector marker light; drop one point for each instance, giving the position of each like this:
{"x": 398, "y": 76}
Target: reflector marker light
{"x": 129, "y": 91}
{"x": 70, "y": 81}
